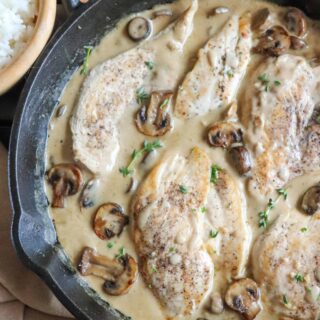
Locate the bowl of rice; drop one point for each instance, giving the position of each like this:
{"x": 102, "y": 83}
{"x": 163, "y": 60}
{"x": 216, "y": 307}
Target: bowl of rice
{"x": 25, "y": 27}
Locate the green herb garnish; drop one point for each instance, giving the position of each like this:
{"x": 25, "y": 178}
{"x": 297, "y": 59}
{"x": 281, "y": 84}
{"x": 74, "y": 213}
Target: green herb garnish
{"x": 304, "y": 229}
{"x": 172, "y": 249}
{"x": 277, "y": 83}
{"x": 299, "y": 277}
{"x": 142, "y": 96}
{"x": 264, "y": 215}
{"x": 230, "y": 74}
{"x": 203, "y": 210}
{"x": 149, "y": 64}
{"x": 137, "y": 154}
{"x": 110, "y": 244}
{"x": 183, "y": 189}
{"x": 164, "y": 103}
{"x": 121, "y": 253}
{"x": 84, "y": 69}
{"x": 214, "y": 174}
{"x": 285, "y": 300}
{"x": 213, "y": 234}
{"x": 318, "y": 119}
{"x": 154, "y": 269}
{"x": 265, "y": 81}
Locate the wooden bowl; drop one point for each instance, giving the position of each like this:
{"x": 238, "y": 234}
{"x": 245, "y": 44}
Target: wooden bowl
{"x": 16, "y": 69}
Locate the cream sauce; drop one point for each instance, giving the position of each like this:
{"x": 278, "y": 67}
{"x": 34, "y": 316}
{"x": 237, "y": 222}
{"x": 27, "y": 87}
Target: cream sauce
{"x": 74, "y": 227}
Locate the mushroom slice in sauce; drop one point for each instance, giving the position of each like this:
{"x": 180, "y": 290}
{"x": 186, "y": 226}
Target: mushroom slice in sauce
{"x": 296, "y": 22}
{"x": 66, "y": 180}
{"x": 119, "y": 274}
{"x": 88, "y": 193}
{"x": 297, "y": 43}
{"x": 155, "y": 120}
{"x": 163, "y": 12}
{"x": 260, "y": 19}
{"x": 241, "y": 159}
{"x": 139, "y": 28}
{"x": 224, "y": 135}
{"x": 274, "y": 42}
{"x": 243, "y": 296}
{"x": 311, "y": 200}
{"x": 109, "y": 221}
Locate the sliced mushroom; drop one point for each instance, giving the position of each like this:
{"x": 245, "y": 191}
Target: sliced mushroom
{"x": 274, "y": 42}
{"x": 139, "y": 28}
{"x": 297, "y": 43}
{"x": 155, "y": 120}
{"x": 311, "y": 200}
{"x": 241, "y": 159}
{"x": 296, "y": 22}
{"x": 66, "y": 180}
{"x": 119, "y": 274}
{"x": 109, "y": 221}
{"x": 163, "y": 12}
{"x": 243, "y": 296}
{"x": 260, "y": 20}
{"x": 123, "y": 283}
{"x": 87, "y": 198}
{"x": 224, "y": 135}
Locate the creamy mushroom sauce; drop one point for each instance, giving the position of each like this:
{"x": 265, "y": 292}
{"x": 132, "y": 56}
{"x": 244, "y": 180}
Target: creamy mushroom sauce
{"x": 74, "y": 226}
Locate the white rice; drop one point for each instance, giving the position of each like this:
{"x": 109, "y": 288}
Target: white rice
{"x": 17, "y": 21}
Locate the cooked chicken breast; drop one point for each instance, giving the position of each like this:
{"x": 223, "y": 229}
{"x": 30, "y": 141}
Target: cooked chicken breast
{"x": 227, "y": 215}
{"x": 217, "y": 74}
{"x": 111, "y": 88}
{"x": 168, "y": 232}
{"x": 286, "y": 264}
{"x": 276, "y": 112}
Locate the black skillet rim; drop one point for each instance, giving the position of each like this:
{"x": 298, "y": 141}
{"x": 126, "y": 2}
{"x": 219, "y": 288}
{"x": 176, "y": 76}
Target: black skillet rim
{"x": 79, "y": 311}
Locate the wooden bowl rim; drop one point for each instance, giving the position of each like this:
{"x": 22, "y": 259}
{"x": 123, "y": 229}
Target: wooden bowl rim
{"x": 15, "y": 70}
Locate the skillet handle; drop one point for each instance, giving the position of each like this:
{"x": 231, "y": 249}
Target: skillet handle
{"x": 70, "y": 5}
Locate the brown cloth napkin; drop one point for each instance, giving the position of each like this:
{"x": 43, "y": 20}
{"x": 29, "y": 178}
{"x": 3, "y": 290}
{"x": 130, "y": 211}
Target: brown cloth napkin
{"x": 23, "y": 296}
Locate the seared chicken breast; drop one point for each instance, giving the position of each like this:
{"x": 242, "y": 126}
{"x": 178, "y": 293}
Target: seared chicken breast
{"x": 276, "y": 112}
{"x": 217, "y": 74}
{"x": 286, "y": 264}
{"x": 227, "y": 216}
{"x": 110, "y": 89}
{"x": 168, "y": 233}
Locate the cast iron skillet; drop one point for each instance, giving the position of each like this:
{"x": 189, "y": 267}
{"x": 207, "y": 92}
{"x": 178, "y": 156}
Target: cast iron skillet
{"x": 33, "y": 232}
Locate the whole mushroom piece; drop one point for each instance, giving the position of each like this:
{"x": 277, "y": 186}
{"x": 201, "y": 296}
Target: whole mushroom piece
{"x": 119, "y": 274}
{"x": 66, "y": 180}
{"x": 109, "y": 221}
{"x": 274, "y": 42}
{"x": 155, "y": 120}
{"x": 311, "y": 200}
{"x": 243, "y": 296}
{"x": 296, "y": 22}
{"x": 241, "y": 159}
{"x": 224, "y": 135}
{"x": 139, "y": 28}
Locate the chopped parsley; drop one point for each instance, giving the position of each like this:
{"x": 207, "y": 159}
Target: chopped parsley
{"x": 264, "y": 215}
{"x": 85, "y": 65}
{"x": 299, "y": 277}
{"x": 172, "y": 249}
{"x": 304, "y": 229}
{"x": 164, "y": 103}
{"x": 121, "y": 253}
{"x": 266, "y": 83}
{"x": 110, "y": 244}
{"x": 203, "y": 210}
{"x": 137, "y": 154}
{"x": 318, "y": 119}
{"x": 149, "y": 286}
{"x": 230, "y": 74}
{"x": 183, "y": 189}
{"x": 214, "y": 174}
{"x": 141, "y": 96}
{"x": 149, "y": 64}
{"x": 285, "y": 300}
{"x": 154, "y": 269}
{"x": 213, "y": 234}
